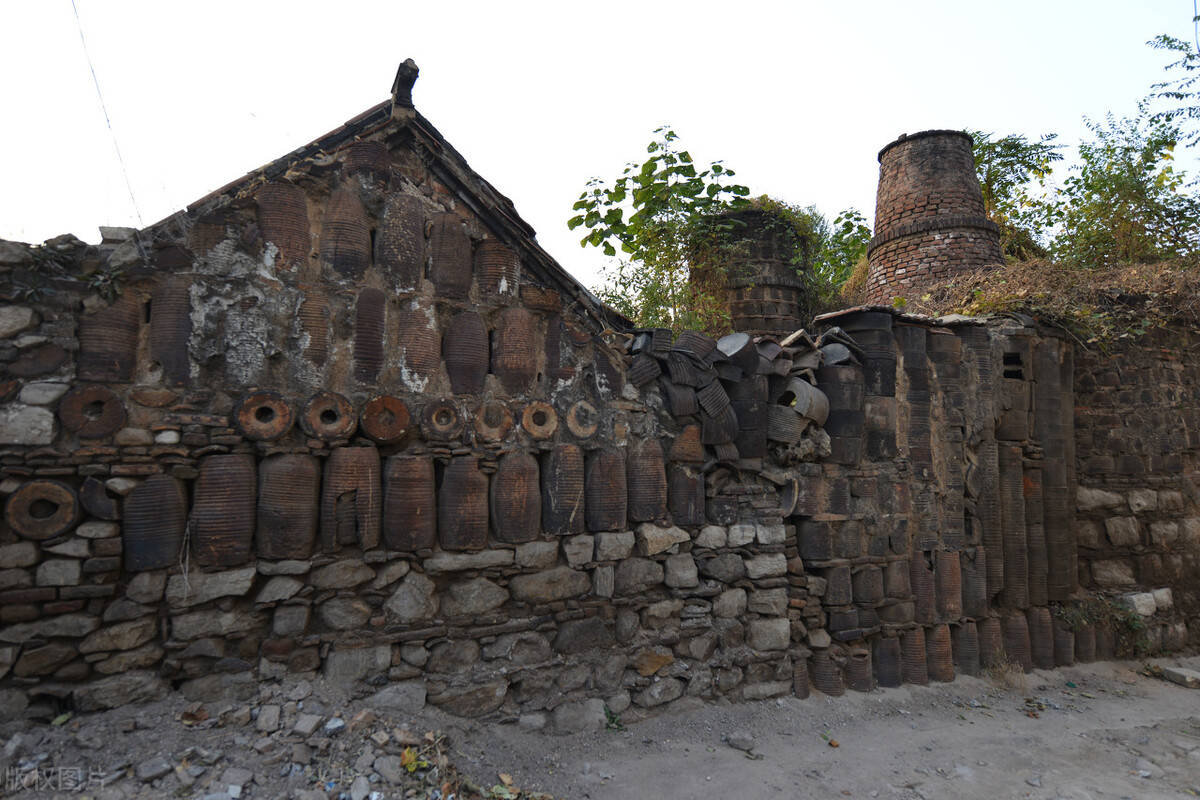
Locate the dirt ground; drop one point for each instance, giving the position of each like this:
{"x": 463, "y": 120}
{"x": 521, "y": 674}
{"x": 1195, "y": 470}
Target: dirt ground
{"x": 1093, "y": 731}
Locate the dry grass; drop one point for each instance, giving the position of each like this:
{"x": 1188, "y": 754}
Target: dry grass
{"x": 1095, "y": 305}
{"x": 1006, "y": 674}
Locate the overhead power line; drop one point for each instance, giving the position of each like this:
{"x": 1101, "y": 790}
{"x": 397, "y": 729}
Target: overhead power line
{"x": 107, "y": 121}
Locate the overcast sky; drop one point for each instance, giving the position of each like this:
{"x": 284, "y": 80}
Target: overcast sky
{"x": 797, "y": 97}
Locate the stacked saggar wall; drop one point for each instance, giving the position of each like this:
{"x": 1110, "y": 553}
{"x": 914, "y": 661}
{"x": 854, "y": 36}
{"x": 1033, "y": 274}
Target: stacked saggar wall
{"x": 1137, "y": 435}
{"x": 348, "y": 418}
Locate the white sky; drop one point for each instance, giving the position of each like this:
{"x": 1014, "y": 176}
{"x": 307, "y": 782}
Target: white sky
{"x": 797, "y": 97}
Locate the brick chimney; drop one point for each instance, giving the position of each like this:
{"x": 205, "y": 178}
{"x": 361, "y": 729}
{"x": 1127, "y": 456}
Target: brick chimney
{"x": 929, "y": 218}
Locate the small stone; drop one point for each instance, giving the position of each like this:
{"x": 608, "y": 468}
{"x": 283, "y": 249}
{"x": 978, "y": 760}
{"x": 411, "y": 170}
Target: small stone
{"x": 661, "y": 691}
{"x": 344, "y": 613}
{"x": 101, "y": 530}
{"x": 537, "y": 555}
{"x": 344, "y": 574}
{"x": 73, "y": 547}
{"x": 727, "y": 568}
{"x": 473, "y": 597}
{"x": 334, "y": 726}
{"x": 268, "y": 719}
{"x": 284, "y": 567}
{"x": 390, "y": 768}
{"x": 578, "y": 549}
{"x": 19, "y": 554}
{"x": 766, "y": 565}
{"x": 1087, "y": 499}
{"x": 146, "y": 587}
{"x": 22, "y": 424}
{"x": 1184, "y": 677}
{"x": 133, "y": 437}
{"x": 740, "y": 740}
{"x": 15, "y": 319}
{"x": 344, "y": 667}
{"x": 1164, "y": 599}
{"x": 406, "y": 697}
{"x": 1141, "y": 500}
{"x": 360, "y": 788}
{"x": 191, "y": 589}
{"x": 730, "y": 604}
{"x": 773, "y": 533}
{"x": 166, "y": 437}
{"x": 819, "y": 638}
{"x": 122, "y": 636}
{"x": 42, "y": 394}
{"x": 484, "y": 559}
{"x": 1123, "y": 531}
{"x": 614, "y": 546}
{"x": 389, "y": 574}
{"x": 769, "y": 634}
{"x": 280, "y": 587}
{"x": 713, "y": 536}
{"x": 681, "y": 571}
{"x": 560, "y": 583}
{"x": 413, "y": 599}
{"x": 769, "y": 602}
{"x": 587, "y": 715}
{"x": 604, "y": 580}
{"x": 1140, "y": 602}
{"x": 307, "y": 724}
{"x": 58, "y": 572}
{"x": 153, "y": 769}
{"x": 652, "y": 539}
{"x": 535, "y": 721}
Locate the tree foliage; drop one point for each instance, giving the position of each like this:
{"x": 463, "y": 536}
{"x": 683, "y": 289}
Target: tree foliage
{"x": 1014, "y": 174}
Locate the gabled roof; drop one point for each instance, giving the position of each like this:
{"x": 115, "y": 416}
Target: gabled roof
{"x": 397, "y": 117}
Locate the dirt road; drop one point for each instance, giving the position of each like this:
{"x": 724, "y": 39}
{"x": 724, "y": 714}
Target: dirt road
{"x": 1094, "y": 731}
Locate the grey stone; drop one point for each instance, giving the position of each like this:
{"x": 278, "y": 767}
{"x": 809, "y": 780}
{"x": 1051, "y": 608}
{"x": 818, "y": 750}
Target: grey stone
{"x": 287, "y": 567}
{"x": 58, "y": 572}
{"x": 1123, "y": 531}
{"x": 307, "y": 724}
{"x": 1182, "y": 676}
{"x": 457, "y": 656}
{"x": 344, "y": 613}
{"x": 1141, "y": 500}
{"x": 72, "y": 548}
{"x": 14, "y": 319}
{"x": 122, "y": 636}
{"x": 1164, "y": 599}
{"x": 740, "y": 740}
{"x": 390, "y": 768}
{"x": 713, "y": 536}
{"x": 290, "y": 620}
{"x": 152, "y": 769}
{"x": 582, "y": 635}
{"x": 43, "y": 660}
{"x": 199, "y": 624}
{"x": 766, "y": 565}
{"x": 280, "y": 587}
{"x": 1140, "y": 602}
{"x": 390, "y": 573}
{"x": 194, "y": 588}
{"x": 407, "y": 697}
{"x": 681, "y": 571}
{"x": 615, "y": 545}
{"x": 520, "y": 649}
{"x": 618, "y": 702}
{"x": 472, "y": 701}
{"x": 341, "y": 575}
{"x": 146, "y": 587}
{"x": 1164, "y": 534}
{"x": 604, "y": 580}
{"x": 761, "y": 691}
{"x": 22, "y": 424}
{"x": 360, "y": 788}
{"x": 414, "y": 654}
{"x": 652, "y": 540}
{"x": 636, "y": 575}
{"x": 727, "y": 568}
{"x": 143, "y": 657}
{"x": 347, "y": 666}
{"x": 819, "y": 638}
{"x": 167, "y": 437}
{"x": 1089, "y": 499}
{"x": 42, "y": 394}
{"x": 662, "y": 690}
{"x": 769, "y": 634}
{"x": 15, "y": 579}
{"x": 67, "y": 626}
{"x": 770, "y": 533}
{"x": 1113, "y": 573}
{"x": 121, "y": 486}
{"x": 770, "y": 602}
{"x": 13, "y": 703}
{"x": 559, "y": 583}
{"x": 473, "y": 597}
{"x": 128, "y": 688}
{"x": 133, "y": 437}
{"x": 537, "y": 555}
{"x": 459, "y": 562}
{"x": 740, "y": 534}
{"x": 19, "y": 554}
{"x": 730, "y": 604}
{"x": 587, "y": 715}
{"x": 268, "y": 718}
{"x": 578, "y": 549}
{"x": 1170, "y": 500}
{"x": 1089, "y": 534}
{"x": 413, "y": 599}
{"x": 535, "y": 721}
{"x": 105, "y": 530}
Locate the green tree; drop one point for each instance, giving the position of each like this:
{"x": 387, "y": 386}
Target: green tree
{"x": 664, "y": 216}
{"x": 1013, "y": 174}
{"x": 1177, "y": 99}
{"x": 842, "y": 248}
{"x": 1125, "y": 202}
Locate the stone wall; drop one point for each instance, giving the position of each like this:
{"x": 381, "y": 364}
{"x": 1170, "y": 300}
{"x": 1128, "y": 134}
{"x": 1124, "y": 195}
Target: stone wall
{"x": 1137, "y": 436}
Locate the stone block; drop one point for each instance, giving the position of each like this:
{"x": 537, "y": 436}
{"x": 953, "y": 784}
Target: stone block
{"x": 122, "y": 636}
{"x": 604, "y": 580}
{"x": 146, "y": 587}
{"x": 344, "y": 613}
{"x": 652, "y": 540}
{"x": 1170, "y": 500}
{"x": 414, "y": 599}
{"x": 769, "y": 634}
{"x": 1090, "y": 499}
{"x": 1089, "y": 533}
{"x": 290, "y": 620}
{"x": 1112, "y": 573}
{"x": 730, "y": 604}
{"x": 727, "y": 567}
{"x": 1164, "y": 534}
{"x": 1164, "y": 599}
{"x": 1143, "y": 500}
{"x": 1182, "y": 676}
{"x": 58, "y": 572}
{"x": 681, "y": 571}
{"x": 740, "y": 534}
{"x": 1123, "y": 531}
{"x": 661, "y": 691}
{"x": 578, "y": 550}
{"x": 345, "y": 667}
{"x": 550, "y": 585}
{"x": 345, "y": 574}
{"x": 769, "y": 602}
{"x": 537, "y": 555}
{"x": 582, "y": 635}
{"x": 1140, "y": 602}
{"x": 279, "y": 588}
{"x": 18, "y": 554}
{"x": 472, "y": 598}
{"x": 193, "y": 588}
{"x": 15, "y": 319}
{"x": 29, "y": 425}
{"x": 770, "y": 533}
{"x": 634, "y": 575}
{"x": 713, "y": 536}
{"x": 766, "y": 565}
{"x": 42, "y": 394}
{"x": 460, "y": 562}
{"x": 614, "y": 546}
